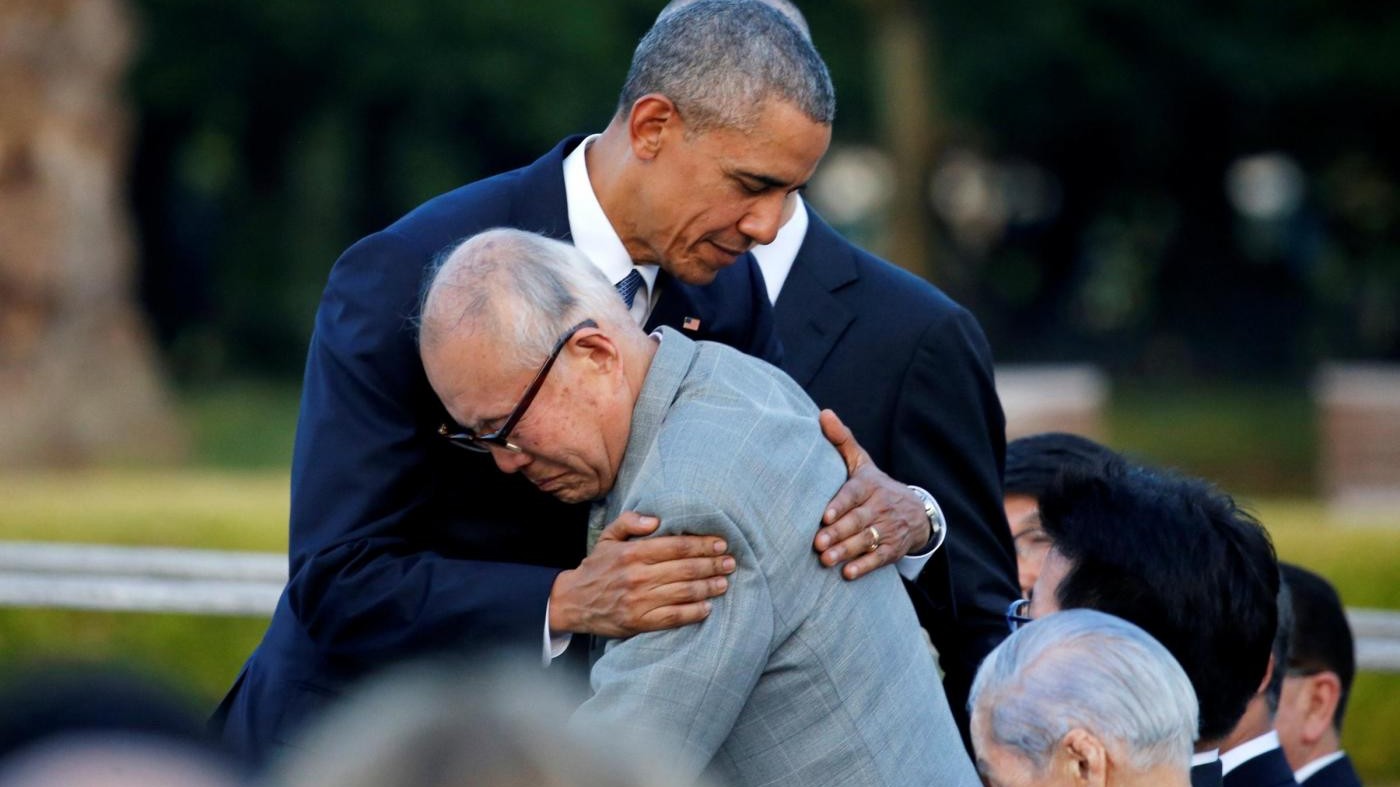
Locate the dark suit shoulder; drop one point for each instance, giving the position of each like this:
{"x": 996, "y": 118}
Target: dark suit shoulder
{"x": 1336, "y": 774}
{"x": 1269, "y": 769}
{"x": 907, "y": 295}
{"x": 460, "y": 213}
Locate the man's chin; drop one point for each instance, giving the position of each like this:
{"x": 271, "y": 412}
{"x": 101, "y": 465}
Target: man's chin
{"x": 563, "y": 491}
{"x": 701, "y": 268}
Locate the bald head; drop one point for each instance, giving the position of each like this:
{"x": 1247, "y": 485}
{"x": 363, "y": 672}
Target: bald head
{"x": 536, "y": 358}
{"x": 519, "y": 288}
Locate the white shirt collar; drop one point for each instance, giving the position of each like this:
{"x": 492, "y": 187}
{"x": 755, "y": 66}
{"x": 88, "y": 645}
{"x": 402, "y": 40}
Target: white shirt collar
{"x": 1232, "y": 759}
{"x": 775, "y": 259}
{"x": 1205, "y": 757}
{"x": 1306, "y": 772}
{"x": 594, "y": 235}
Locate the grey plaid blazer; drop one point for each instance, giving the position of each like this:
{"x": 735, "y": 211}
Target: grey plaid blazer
{"x": 798, "y": 677}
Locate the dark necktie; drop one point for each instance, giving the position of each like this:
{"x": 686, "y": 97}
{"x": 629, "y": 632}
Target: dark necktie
{"x": 628, "y": 287}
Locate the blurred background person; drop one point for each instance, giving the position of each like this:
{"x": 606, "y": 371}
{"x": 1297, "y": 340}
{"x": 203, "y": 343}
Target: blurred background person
{"x": 1083, "y": 698}
{"x": 92, "y": 726}
{"x": 449, "y": 724}
{"x": 1178, "y": 558}
{"x": 1032, "y": 465}
{"x": 1250, "y": 755}
{"x": 1317, "y": 683}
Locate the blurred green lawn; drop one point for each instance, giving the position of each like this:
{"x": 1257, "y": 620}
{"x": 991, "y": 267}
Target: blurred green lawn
{"x": 234, "y": 496}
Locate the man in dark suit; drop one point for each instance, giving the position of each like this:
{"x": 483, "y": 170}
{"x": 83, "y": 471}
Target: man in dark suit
{"x": 1317, "y": 683}
{"x": 402, "y": 544}
{"x": 910, "y": 373}
{"x": 1251, "y": 755}
{"x": 1179, "y": 559}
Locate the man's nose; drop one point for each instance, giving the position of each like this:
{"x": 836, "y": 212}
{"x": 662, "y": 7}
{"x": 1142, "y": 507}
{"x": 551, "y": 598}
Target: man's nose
{"x": 509, "y": 461}
{"x": 764, "y": 218}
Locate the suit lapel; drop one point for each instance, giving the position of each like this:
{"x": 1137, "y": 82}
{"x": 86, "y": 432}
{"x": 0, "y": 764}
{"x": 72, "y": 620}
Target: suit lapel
{"x": 539, "y": 202}
{"x": 809, "y": 316}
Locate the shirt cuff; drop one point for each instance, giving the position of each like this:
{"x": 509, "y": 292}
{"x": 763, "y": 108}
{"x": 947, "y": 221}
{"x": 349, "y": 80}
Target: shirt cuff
{"x": 910, "y": 565}
{"x": 554, "y": 646}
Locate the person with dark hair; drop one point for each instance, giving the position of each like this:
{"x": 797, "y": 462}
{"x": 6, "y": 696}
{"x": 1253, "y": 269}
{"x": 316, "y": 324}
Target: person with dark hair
{"x": 82, "y": 725}
{"x": 1250, "y": 755}
{"x": 1178, "y": 558}
{"x": 402, "y": 544}
{"x": 1032, "y": 465}
{"x": 1317, "y": 683}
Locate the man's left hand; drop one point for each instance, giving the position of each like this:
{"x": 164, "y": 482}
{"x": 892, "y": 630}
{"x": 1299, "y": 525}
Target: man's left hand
{"x": 870, "y": 509}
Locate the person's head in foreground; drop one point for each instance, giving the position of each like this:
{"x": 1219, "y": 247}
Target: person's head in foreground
{"x": 1176, "y": 557}
{"x": 1320, "y": 667}
{"x": 725, "y": 111}
{"x": 1082, "y": 698}
{"x": 536, "y": 358}
{"x": 1032, "y": 465}
{"x": 425, "y": 725}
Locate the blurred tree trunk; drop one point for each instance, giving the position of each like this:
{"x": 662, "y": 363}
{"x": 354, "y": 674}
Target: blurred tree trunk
{"x": 78, "y": 377}
{"x": 908, "y": 125}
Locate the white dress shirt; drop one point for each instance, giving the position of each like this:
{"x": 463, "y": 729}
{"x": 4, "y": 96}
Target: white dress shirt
{"x": 1233, "y": 758}
{"x": 1205, "y": 757}
{"x": 1306, "y": 772}
{"x": 775, "y": 259}
{"x": 594, "y": 234}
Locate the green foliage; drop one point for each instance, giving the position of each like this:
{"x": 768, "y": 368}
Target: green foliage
{"x": 1248, "y": 439}
{"x": 241, "y": 424}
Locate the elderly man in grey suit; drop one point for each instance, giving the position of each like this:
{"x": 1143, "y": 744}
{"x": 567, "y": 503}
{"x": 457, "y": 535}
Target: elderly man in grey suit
{"x": 797, "y": 677}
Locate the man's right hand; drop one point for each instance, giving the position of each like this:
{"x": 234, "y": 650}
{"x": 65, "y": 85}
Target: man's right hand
{"x": 628, "y": 586}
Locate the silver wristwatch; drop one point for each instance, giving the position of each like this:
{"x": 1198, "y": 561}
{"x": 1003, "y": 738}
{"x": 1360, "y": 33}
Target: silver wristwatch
{"x": 937, "y": 525}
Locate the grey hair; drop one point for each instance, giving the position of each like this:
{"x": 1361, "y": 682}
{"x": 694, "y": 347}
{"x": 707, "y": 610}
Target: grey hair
{"x": 524, "y": 288}
{"x": 719, "y": 61}
{"x": 787, "y": 9}
{"x": 446, "y": 724}
{"x": 1087, "y": 669}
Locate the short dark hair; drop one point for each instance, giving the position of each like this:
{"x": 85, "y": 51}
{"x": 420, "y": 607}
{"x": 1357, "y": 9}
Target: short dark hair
{"x": 1178, "y": 558}
{"x": 1035, "y": 461}
{"x": 1322, "y": 639}
{"x": 1283, "y": 635}
{"x": 720, "y": 61}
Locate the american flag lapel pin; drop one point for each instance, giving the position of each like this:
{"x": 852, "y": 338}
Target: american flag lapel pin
{"x": 691, "y": 323}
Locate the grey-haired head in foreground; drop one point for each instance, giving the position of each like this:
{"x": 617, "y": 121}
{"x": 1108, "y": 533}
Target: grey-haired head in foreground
{"x": 1089, "y": 670}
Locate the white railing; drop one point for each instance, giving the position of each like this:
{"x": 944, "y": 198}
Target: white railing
{"x": 211, "y": 582}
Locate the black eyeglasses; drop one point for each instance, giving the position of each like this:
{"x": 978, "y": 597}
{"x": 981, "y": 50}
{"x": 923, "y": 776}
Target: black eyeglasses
{"x": 481, "y": 443}
{"x": 1017, "y": 614}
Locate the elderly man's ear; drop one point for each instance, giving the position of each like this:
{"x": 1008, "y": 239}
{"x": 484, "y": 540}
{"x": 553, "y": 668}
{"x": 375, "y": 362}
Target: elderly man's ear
{"x": 596, "y": 348}
{"x": 1082, "y": 759}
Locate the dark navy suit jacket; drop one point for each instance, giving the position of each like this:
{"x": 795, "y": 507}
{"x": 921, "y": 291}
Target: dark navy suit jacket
{"x": 1207, "y": 775}
{"x": 1269, "y": 769}
{"x": 1337, "y": 774}
{"x": 402, "y": 545}
{"x": 910, "y": 372}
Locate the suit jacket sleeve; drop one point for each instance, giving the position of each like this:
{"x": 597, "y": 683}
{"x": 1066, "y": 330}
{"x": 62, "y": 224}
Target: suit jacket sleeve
{"x": 371, "y": 577}
{"x": 684, "y": 688}
{"x": 949, "y": 436}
